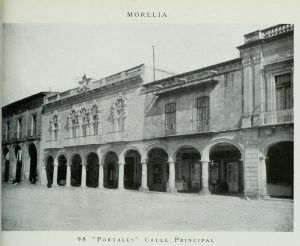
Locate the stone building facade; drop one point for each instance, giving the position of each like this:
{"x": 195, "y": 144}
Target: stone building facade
{"x": 21, "y": 138}
{"x": 222, "y": 129}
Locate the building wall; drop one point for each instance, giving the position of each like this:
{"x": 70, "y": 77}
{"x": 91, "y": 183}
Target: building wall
{"x": 225, "y": 107}
{"x": 23, "y": 109}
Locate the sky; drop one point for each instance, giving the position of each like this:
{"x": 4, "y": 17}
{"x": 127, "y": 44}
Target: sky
{"x": 43, "y": 57}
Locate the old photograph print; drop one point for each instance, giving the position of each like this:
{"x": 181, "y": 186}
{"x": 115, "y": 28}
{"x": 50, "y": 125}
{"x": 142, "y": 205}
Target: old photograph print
{"x": 148, "y": 127}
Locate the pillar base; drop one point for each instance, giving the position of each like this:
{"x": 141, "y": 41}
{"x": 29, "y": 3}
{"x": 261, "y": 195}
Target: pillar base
{"x": 204, "y": 192}
{"x": 144, "y": 189}
{"x": 251, "y": 194}
{"x": 171, "y": 190}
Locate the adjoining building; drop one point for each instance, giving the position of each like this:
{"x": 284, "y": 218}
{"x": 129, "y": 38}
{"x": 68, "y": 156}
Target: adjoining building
{"x": 221, "y": 129}
{"x": 21, "y": 138}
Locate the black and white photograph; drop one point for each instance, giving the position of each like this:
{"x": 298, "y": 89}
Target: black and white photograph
{"x": 148, "y": 128}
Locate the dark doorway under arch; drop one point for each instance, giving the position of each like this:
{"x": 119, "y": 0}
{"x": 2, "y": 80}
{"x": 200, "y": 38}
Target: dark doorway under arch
{"x": 76, "y": 170}
{"x": 188, "y": 170}
{"x": 280, "y": 170}
{"x": 92, "y": 170}
{"x": 158, "y": 170}
{"x": 33, "y": 163}
{"x": 49, "y": 170}
{"x": 111, "y": 170}
{"x": 62, "y": 170}
{"x": 6, "y": 165}
{"x": 132, "y": 170}
{"x": 18, "y": 153}
{"x": 226, "y": 169}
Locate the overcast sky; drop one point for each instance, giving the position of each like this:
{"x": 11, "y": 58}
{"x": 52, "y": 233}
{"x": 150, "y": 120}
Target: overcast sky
{"x": 39, "y": 57}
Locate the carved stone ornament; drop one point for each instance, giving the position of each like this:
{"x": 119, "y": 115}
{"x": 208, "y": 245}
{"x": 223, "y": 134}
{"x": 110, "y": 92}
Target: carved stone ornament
{"x": 282, "y": 57}
{"x": 246, "y": 62}
{"x": 54, "y": 121}
{"x": 83, "y": 115}
{"x": 83, "y": 83}
{"x": 120, "y": 106}
{"x": 257, "y": 58}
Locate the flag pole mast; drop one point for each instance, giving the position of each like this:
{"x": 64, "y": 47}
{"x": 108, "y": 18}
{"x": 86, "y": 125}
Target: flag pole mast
{"x": 153, "y": 62}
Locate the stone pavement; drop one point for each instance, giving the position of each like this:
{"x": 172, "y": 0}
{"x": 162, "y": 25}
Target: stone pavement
{"x": 32, "y": 208}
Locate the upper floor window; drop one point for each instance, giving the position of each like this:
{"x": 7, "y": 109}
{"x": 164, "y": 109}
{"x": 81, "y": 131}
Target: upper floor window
{"x": 170, "y": 112}
{"x": 20, "y": 127}
{"x": 203, "y": 114}
{"x": 33, "y": 125}
{"x": 7, "y": 130}
{"x": 284, "y": 92}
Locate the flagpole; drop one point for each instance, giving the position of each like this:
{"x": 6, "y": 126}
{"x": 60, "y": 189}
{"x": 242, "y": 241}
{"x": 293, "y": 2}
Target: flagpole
{"x": 153, "y": 62}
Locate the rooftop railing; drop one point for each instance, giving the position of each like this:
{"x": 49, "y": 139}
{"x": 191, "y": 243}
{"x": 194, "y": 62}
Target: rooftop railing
{"x": 98, "y": 83}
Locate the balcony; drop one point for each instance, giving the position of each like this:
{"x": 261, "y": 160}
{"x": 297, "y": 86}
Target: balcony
{"x": 32, "y": 133}
{"x": 179, "y": 128}
{"x": 277, "y": 117}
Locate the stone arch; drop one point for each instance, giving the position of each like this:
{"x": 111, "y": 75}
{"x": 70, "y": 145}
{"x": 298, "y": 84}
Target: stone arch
{"x": 105, "y": 151}
{"x": 130, "y": 148}
{"x": 278, "y": 166}
{"x": 267, "y": 143}
{"x": 92, "y": 169}
{"x": 111, "y": 169}
{"x": 158, "y": 145}
{"x": 207, "y": 149}
{"x": 185, "y": 145}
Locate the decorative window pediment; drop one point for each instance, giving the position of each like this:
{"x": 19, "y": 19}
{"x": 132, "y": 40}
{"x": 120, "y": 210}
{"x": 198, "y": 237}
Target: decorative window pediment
{"x": 54, "y": 121}
{"x": 72, "y": 118}
{"x": 120, "y": 106}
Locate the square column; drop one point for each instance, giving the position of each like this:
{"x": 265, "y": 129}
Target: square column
{"x": 101, "y": 175}
{"x": 83, "y": 176}
{"x": 205, "y": 178}
{"x": 171, "y": 187}
{"x": 44, "y": 180}
{"x": 68, "y": 181}
{"x": 55, "y": 168}
{"x": 121, "y": 176}
{"x": 263, "y": 178}
{"x": 144, "y": 186}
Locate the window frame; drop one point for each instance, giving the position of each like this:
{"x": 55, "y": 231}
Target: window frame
{"x": 204, "y": 116}
{"x": 170, "y": 117}
{"x": 285, "y": 86}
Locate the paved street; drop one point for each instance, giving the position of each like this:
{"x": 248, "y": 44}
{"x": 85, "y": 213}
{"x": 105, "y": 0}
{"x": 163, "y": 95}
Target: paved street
{"x": 38, "y": 208}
